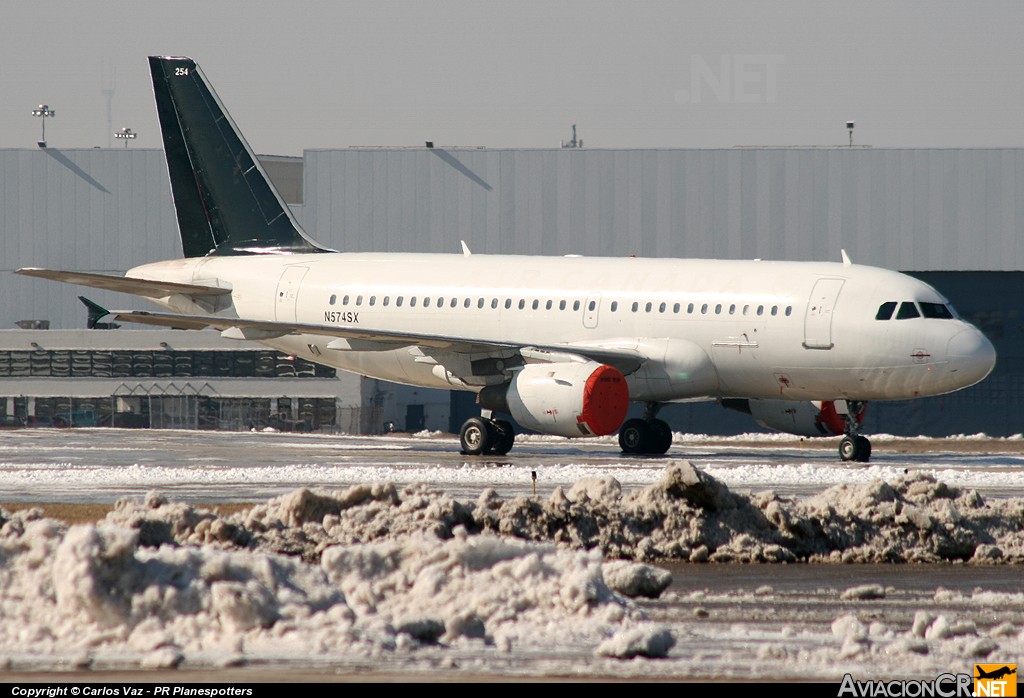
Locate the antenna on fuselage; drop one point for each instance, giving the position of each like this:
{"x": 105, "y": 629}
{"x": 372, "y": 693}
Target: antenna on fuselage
{"x": 846, "y": 258}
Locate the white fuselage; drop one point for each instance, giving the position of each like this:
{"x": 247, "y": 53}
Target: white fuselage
{"x": 709, "y": 328}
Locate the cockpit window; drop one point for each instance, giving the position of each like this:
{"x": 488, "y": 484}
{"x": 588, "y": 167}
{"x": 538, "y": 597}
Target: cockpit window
{"x": 885, "y": 310}
{"x": 907, "y": 311}
{"x": 936, "y": 310}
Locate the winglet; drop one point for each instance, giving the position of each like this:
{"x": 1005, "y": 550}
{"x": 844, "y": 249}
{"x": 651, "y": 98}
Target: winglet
{"x": 846, "y": 258}
{"x": 96, "y": 312}
{"x": 465, "y": 248}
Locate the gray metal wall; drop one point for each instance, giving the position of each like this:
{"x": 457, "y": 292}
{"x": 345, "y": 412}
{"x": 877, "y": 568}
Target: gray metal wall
{"x": 915, "y": 210}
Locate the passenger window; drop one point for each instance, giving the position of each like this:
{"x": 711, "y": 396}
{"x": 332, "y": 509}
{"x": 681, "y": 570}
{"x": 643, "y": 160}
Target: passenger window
{"x": 412, "y": 301}
{"x": 732, "y": 309}
{"x": 359, "y": 300}
{"x": 333, "y": 299}
{"x": 455, "y": 302}
{"x": 373, "y": 300}
{"x": 561, "y": 305}
{"x": 547, "y": 306}
{"x": 704, "y": 309}
{"x": 575, "y": 305}
{"x": 344, "y": 301}
{"x": 718, "y": 309}
{"x": 885, "y": 311}
{"x": 615, "y": 306}
{"x": 494, "y": 304}
{"x": 936, "y": 311}
{"x": 775, "y": 310}
{"x": 536, "y": 304}
{"x": 508, "y": 303}
{"x": 661, "y": 308}
{"x": 676, "y": 308}
{"x": 789, "y": 310}
{"x": 522, "y": 304}
{"x": 480, "y": 302}
{"x": 746, "y": 309}
{"x": 426, "y": 302}
{"x": 636, "y": 306}
{"x": 398, "y": 301}
{"x": 760, "y": 310}
{"x": 907, "y": 311}
{"x": 386, "y": 301}
{"x": 647, "y": 308}
{"x": 689, "y": 308}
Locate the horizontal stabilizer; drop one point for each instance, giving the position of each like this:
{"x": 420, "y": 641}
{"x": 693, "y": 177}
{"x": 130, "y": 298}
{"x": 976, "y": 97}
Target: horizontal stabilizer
{"x": 125, "y": 284}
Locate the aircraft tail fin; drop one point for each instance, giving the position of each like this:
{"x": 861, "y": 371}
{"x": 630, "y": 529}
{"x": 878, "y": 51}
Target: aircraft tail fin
{"x": 224, "y": 201}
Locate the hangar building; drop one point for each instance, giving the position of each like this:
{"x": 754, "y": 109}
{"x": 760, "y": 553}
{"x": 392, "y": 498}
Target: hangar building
{"x": 949, "y": 216}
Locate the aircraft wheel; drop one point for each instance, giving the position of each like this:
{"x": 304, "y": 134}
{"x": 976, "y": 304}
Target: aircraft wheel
{"x": 660, "y": 437}
{"x": 475, "y": 437}
{"x": 850, "y": 448}
{"x": 863, "y": 449}
{"x": 504, "y": 437}
{"x": 634, "y": 436}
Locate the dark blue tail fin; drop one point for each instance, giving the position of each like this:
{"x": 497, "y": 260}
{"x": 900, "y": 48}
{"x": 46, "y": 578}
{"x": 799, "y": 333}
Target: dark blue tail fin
{"x": 223, "y": 199}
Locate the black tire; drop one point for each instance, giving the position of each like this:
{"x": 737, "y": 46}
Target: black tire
{"x": 863, "y": 449}
{"x": 848, "y": 448}
{"x": 475, "y": 437}
{"x": 504, "y": 437}
{"x": 659, "y": 437}
{"x": 634, "y": 436}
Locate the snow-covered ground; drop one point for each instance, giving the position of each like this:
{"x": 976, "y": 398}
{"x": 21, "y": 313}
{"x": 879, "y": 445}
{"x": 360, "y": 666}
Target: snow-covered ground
{"x": 103, "y": 465}
{"x": 468, "y": 571}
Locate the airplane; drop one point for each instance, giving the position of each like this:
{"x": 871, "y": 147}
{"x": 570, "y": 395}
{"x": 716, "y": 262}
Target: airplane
{"x": 995, "y": 673}
{"x": 563, "y": 345}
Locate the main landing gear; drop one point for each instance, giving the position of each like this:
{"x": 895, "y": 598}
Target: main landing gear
{"x": 853, "y": 446}
{"x": 648, "y": 436}
{"x": 482, "y": 436}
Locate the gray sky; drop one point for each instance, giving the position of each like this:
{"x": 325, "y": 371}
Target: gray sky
{"x": 512, "y": 73}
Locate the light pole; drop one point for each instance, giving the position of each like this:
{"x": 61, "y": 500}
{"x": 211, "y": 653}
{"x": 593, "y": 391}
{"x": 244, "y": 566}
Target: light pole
{"x": 127, "y": 134}
{"x": 43, "y": 111}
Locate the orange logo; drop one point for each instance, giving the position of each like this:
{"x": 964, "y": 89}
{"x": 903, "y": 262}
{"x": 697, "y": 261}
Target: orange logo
{"x": 995, "y": 680}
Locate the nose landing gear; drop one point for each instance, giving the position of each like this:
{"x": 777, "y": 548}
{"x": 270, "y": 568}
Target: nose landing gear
{"x": 853, "y": 446}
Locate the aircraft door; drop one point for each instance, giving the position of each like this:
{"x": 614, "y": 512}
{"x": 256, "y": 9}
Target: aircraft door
{"x": 590, "y": 311}
{"x": 288, "y": 293}
{"x": 820, "y": 306}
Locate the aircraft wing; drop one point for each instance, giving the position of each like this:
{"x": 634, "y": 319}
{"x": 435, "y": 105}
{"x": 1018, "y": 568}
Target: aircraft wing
{"x": 351, "y": 338}
{"x": 125, "y": 284}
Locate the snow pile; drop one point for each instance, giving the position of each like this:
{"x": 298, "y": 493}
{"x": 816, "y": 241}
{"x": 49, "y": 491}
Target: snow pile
{"x": 687, "y": 515}
{"x": 914, "y": 519}
{"x": 96, "y": 596}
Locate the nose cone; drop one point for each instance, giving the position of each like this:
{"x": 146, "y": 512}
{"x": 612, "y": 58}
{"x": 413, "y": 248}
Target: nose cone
{"x": 971, "y": 357}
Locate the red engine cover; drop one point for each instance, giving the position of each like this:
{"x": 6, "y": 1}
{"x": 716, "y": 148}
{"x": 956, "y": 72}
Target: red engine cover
{"x": 605, "y": 401}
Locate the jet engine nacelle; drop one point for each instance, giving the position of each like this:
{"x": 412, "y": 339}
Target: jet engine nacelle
{"x": 568, "y": 399}
{"x": 795, "y": 417}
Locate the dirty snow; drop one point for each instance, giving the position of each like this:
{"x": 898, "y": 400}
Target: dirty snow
{"x": 416, "y": 578}
{"x": 687, "y": 515}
